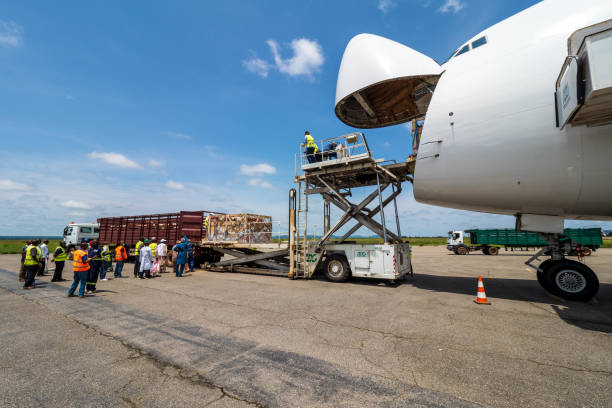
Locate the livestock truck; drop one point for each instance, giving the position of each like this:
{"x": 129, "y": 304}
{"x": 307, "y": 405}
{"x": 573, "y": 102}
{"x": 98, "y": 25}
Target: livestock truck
{"x": 489, "y": 241}
{"x": 206, "y": 229}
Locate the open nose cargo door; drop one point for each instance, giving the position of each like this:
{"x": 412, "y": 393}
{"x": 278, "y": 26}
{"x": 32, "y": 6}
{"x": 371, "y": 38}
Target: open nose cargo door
{"x": 382, "y": 82}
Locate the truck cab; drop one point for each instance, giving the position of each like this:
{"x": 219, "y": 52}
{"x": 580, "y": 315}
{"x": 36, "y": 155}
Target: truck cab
{"x": 75, "y": 233}
{"x": 455, "y": 238}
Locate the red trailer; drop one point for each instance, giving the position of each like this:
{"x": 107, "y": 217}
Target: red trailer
{"x": 212, "y": 232}
{"x": 170, "y": 226}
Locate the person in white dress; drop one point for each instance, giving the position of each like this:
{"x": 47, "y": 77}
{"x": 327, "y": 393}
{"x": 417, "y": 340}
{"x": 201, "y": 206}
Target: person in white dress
{"x": 162, "y": 252}
{"x": 146, "y": 261}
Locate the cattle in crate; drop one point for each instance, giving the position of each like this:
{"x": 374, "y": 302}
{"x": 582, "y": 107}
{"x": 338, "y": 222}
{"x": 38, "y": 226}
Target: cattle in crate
{"x": 239, "y": 228}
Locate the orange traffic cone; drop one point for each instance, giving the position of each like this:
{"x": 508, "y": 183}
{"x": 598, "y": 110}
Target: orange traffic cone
{"x": 481, "y": 296}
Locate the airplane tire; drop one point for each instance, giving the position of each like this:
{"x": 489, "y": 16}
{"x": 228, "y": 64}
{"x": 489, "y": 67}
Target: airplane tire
{"x": 337, "y": 268}
{"x": 493, "y": 250}
{"x": 570, "y": 280}
{"x": 540, "y": 275}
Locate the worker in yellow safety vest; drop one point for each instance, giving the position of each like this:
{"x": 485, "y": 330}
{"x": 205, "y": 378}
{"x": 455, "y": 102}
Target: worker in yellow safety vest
{"x": 139, "y": 245}
{"x": 80, "y": 266}
{"x": 153, "y": 245}
{"x": 31, "y": 262}
{"x": 311, "y": 148}
{"x": 59, "y": 257}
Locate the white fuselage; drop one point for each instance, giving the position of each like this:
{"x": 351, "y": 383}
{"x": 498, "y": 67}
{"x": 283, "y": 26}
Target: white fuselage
{"x": 493, "y": 110}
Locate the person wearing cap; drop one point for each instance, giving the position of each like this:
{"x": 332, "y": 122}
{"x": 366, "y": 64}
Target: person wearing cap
{"x": 311, "y": 148}
{"x": 146, "y": 261}
{"x": 162, "y": 252}
{"x": 94, "y": 254}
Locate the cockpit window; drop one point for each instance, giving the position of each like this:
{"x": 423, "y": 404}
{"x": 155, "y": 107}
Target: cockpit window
{"x": 478, "y": 42}
{"x": 463, "y": 49}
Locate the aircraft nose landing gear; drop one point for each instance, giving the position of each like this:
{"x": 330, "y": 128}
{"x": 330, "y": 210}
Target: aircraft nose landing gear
{"x": 562, "y": 277}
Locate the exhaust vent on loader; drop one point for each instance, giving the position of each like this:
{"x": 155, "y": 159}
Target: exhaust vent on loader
{"x": 382, "y": 83}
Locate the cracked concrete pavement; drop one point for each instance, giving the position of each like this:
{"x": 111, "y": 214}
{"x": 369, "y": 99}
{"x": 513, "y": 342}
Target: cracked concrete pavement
{"x": 277, "y": 342}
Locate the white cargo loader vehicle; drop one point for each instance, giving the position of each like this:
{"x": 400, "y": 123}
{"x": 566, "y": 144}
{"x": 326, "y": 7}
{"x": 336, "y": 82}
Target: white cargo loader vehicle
{"x": 334, "y": 170}
{"x": 339, "y": 262}
{"x": 75, "y": 233}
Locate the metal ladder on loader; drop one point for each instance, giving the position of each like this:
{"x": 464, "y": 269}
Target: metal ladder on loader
{"x": 298, "y": 234}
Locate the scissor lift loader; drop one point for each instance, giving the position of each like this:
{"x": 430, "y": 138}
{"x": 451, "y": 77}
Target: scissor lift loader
{"x": 340, "y": 166}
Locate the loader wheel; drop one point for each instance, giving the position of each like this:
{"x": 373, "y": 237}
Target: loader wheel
{"x": 337, "y": 268}
{"x": 493, "y": 250}
{"x": 570, "y": 280}
{"x": 462, "y": 250}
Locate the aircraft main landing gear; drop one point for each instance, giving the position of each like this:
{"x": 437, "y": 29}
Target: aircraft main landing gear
{"x": 570, "y": 280}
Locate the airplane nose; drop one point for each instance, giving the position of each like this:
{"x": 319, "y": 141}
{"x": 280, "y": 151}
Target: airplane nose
{"x": 382, "y": 82}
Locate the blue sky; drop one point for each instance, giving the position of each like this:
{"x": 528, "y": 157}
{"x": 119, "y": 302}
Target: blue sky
{"x": 119, "y": 108}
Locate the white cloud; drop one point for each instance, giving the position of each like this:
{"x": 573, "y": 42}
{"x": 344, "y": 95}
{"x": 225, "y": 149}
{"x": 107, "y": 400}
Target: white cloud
{"x": 75, "y": 204}
{"x": 452, "y": 6}
{"x": 257, "y": 66}
{"x": 306, "y": 61}
{"x": 116, "y": 159}
{"x": 69, "y": 97}
{"x": 385, "y": 5}
{"x": 10, "y": 185}
{"x": 155, "y": 163}
{"x": 177, "y": 135}
{"x": 174, "y": 185}
{"x": 257, "y": 169}
{"x": 307, "y": 57}
{"x": 78, "y": 214}
{"x": 260, "y": 183}
{"x": 11, "y": 34}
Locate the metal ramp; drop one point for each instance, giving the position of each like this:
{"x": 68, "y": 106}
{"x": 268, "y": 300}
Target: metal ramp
{"x": 334, "y": 181}
{"x": 249, "y": 260}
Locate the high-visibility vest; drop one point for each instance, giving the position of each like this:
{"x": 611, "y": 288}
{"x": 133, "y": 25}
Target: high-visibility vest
{"x": 29, "y": 260}
{"x": 153, "y": 245}
{"x": 106, "y": 254}
{"x": 120, "y": 254}
{"x": 310, "y": 143}
{"x": 62, "y": 256}
{"x": 137, "y": 248}
{"x": 78, "y": 265}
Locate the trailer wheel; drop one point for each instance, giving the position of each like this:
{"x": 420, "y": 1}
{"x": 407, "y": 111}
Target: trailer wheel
{"x": 485, "y": 250}
{"x": 337, "y": 268}
{"x": 493, "y": 250}
{"x": 586, "y": 251}
{"x": 570, "y": 280}
{"x": 462, "y": 250}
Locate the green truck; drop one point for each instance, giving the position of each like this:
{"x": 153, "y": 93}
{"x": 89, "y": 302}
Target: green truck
{"x": 489, "y": 241}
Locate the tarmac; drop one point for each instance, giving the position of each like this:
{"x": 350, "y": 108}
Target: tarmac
{"x": 229, "y": 339}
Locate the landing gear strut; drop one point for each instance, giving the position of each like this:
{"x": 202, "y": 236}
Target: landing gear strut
{"x": 562, "y": 277}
